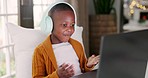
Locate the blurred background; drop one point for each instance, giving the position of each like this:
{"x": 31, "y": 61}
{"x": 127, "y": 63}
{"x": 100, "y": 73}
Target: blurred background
{"x": 97, "y": 17}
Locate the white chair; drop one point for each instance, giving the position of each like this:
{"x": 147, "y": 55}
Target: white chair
{"x": 25, "y": 40}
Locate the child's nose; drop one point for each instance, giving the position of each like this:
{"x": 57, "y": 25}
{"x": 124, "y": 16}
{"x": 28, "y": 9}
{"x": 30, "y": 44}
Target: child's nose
{"x": 69, "y": 28}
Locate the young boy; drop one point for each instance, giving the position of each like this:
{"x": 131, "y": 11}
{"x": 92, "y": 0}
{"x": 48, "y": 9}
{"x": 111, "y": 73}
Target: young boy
{"x": 60, "y": 56}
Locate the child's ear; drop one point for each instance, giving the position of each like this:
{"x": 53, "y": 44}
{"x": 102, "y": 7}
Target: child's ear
{"x": 48, "y": 25}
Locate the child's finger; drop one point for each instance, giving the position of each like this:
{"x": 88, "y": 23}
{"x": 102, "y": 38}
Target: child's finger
{"x": 69, "y": 67}
{"x": 98, "y": 56}
{"x": 64, "y": 66}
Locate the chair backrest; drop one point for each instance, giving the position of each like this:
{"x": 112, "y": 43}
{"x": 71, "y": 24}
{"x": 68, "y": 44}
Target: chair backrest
{"x": 25, "y": 41}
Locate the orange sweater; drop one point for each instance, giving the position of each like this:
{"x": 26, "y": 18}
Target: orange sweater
{"x": 44, "y": 61}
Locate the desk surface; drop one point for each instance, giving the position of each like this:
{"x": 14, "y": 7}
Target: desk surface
{"x": 91, "y": 74}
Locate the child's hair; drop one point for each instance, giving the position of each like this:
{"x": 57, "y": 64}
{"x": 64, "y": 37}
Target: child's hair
{"x": 59, "y": 7}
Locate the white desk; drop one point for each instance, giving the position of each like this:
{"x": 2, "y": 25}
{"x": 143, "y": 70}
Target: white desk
{"x": 135, "y": 26}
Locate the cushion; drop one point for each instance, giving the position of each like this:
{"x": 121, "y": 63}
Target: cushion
{"x": 25, "y": 41}
{"x": 77, "y": 35}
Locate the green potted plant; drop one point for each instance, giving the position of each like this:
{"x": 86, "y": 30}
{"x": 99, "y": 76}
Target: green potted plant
{"x": 103, "y": 6}
{"x": 102, "y": 23}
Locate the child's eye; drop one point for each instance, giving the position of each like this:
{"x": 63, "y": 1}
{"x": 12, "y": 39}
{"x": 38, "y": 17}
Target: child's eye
{"x": 64, "y": 25}
{"x": 73, "y": 25}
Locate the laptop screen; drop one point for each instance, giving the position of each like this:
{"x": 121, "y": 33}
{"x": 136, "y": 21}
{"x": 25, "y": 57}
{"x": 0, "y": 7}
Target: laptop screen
{"x": 124, "y": 55}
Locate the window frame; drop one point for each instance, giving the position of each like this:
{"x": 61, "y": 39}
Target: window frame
{"x": 6, "y": 46}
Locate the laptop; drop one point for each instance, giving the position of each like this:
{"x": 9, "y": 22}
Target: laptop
{"x": 124, "y": 55}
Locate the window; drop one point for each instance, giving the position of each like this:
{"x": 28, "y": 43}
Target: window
{"x": 8, "y": 13}
{"x": 39, "y": 7}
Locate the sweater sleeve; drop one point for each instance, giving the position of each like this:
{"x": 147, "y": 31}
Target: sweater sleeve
{"x": 83, "y": 60}
{"x": 38, "y": 66}
{"x": 86, "y": 69}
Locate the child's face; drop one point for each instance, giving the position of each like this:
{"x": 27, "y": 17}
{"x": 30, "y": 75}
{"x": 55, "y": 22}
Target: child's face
{"x": 63, "y": 26}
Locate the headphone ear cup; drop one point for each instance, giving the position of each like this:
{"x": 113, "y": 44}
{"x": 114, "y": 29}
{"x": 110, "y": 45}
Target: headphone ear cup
{"x": 48, "y": 25}
{"x": 75, "y": 27}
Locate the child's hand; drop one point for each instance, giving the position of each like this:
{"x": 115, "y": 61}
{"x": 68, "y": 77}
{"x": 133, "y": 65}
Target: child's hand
{"x": 93, "y": 60}
{"x": 65, "y": 71}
